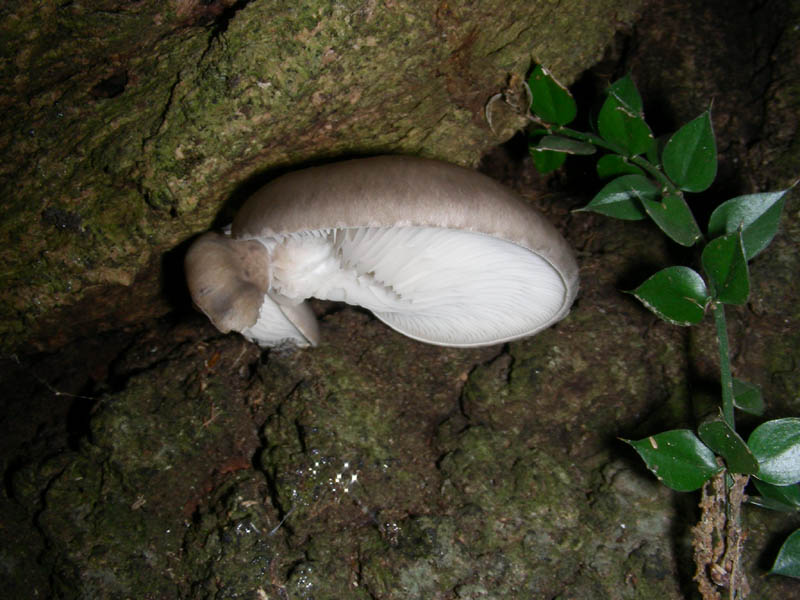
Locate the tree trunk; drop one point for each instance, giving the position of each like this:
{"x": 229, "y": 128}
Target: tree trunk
{"x": 131, "y": 126}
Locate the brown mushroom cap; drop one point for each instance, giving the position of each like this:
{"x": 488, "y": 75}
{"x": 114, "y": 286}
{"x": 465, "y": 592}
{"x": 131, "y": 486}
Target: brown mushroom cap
{"x": 399, "y": 191}
{"x": 228, "y": 282}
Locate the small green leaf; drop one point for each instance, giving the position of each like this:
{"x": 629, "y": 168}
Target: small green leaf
{"x": 621, "y": 198}
{"x": 674, "y": 218}
{"x": 624, "y": 126}
{"x": 756, "y": 214}
{"x": 614, "y": 164}
{"x": 785, "y": 498}
{"x": 678, "y": 459}
{"x": 546, "y": 161}
{"x": 769, "y": 504}
{"x": 723, "y": 440}
{"x": 624, "y": 89}
{"x": 563, "y": 144}
{"x": 725, "y": 263}
{"x": 788, "y": 561}
{"x": 747, "y": 397}
{"x": 690, "y": 156}
{"x": 676, "y": 294}
{"x": 776, "y": 446}
{"x": 549, "y": 99}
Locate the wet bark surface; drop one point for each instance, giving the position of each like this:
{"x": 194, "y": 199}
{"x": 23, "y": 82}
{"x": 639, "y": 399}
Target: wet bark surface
{"x": 161, "y": 459}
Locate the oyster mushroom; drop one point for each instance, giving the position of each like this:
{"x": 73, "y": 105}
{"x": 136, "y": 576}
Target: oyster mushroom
{"x": 440, "y": 253}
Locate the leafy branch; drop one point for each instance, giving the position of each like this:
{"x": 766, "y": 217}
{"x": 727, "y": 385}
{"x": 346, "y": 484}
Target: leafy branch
{"x": 649, "y": 178}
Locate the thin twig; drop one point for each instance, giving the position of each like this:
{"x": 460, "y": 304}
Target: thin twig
{"x": 53, "y": 390}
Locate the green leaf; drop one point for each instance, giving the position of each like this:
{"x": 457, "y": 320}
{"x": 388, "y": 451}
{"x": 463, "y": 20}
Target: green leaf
{"x": 756, "y": 214}
{"x": 769, "y": 503}
{"x": 549, "y": 99}
{"x": 676, "y": 294}
{"x": 723, "y": 440}
{"x": 624, "y": 90}
{"x": 563, "y": 144}
{"x": 678, "y": 459}
{"x": 674, "y": 218}
{"x": 788, "y": 560}
{"x": 614, "y": 164}
{"x": 776, "y": 446}
{"x": 785, "y": 498}
{"x": 621, "y": 198}
{"x": 622, "y": 123}
{"x": 690, "y": 156}
{"x": 725, "y": 263}
{"x": 546, "y": 161}
{"x": 747, "y": 397}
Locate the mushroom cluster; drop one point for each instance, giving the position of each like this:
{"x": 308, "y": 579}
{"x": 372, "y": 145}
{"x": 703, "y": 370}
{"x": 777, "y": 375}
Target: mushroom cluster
{"x": 440, "y": 253}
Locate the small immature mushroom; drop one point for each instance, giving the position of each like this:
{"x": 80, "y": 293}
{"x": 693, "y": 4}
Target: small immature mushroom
{"x": 440, "y": 253}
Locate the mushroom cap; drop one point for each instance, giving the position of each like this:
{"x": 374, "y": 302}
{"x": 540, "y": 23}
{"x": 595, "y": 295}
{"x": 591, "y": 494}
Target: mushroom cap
{"x": 401, "y": 191}
{"x": 391, "y": 232}
{"x": 228, "y": 282}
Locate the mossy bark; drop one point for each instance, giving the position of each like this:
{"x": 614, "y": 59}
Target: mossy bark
{"x": 130, "y": 126}
{"x": 174, "y": 462}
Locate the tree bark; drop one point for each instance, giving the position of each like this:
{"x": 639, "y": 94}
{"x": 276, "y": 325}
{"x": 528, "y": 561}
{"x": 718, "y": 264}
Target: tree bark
{"x": 131, "y": 126}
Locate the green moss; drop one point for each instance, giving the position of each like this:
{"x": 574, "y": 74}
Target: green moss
{"x": 316, "y": 445}
{"x": 98, "y": 545}
{"x": 231, "y": 550}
